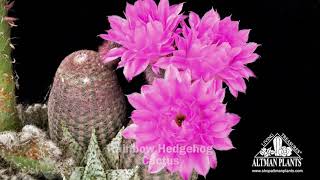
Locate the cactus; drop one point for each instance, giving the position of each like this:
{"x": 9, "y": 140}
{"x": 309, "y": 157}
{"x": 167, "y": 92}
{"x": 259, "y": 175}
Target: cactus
{"x": 86, "y": 95}
{"x": 35, "y": 114}
{"x": 8, "y": 116}
{"x": 150, "y": 75}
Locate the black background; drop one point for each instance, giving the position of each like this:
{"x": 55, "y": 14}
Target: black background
{"x": 279, "y": 100}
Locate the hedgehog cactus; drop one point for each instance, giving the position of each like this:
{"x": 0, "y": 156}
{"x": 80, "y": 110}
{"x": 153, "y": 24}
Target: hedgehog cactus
{"x": 86, "y": 95}
{"x": 8, "y": 116}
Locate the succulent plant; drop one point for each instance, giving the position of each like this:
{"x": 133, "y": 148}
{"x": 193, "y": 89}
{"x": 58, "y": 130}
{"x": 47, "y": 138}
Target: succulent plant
{"x": 8, "y": 116}
{"x": 34, "y": 114}
{"x": 30, "y": 151}
{"x": 86, "y": 95}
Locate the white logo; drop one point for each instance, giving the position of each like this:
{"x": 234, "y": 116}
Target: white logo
{"x": 277, "y": 152}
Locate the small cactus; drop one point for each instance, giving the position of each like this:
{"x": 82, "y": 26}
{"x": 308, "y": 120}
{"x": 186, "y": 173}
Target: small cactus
{"x": 86, "y": 95}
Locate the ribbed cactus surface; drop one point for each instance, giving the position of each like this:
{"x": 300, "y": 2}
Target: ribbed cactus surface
{"x": 86, "y": 95}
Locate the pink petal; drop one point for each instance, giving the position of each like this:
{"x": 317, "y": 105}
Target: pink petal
{"x": 246, "y": 72}
{"x": 139, "y": 37}
{"x": 176, "y": 9}
{"x": 201, "y": 163}
{"x": 186, "y": 168}
{"x": 163, "y": 9}
{"x": 116, "y": 22}
{"x": 194, "y": 19}
{"x": 129, "y": 132}
{"x": 213, "y": 159}
{"x": 234, "y": 119}
{"x": 172, "y": 73}
{"x": 219, "y": 126}
{"x": 141, "y": 116}
{"x": 137, "y": 101}
{"x": 113, "y": 54}
{"x": 222, "y": 144}
{"x": 222, "y": 134}
{"x": 244, "y": 35}
{"x": 154, "y": 30}
{"x": 156, "y": 163}
{"x": 135, "y": 67}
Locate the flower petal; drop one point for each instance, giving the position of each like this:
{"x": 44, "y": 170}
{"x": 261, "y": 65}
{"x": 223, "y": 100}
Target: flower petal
{"x": 222, "y": 144}
{"x": 113, "y": 54}
{"x": 201, "y": 163}
{"x": 129, "y": 132}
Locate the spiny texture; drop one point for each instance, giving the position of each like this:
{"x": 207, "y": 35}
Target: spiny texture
{"x": 145, "y": 35}
{"x": 93, "y": 159}
{"x": 8, "y": 117}
{"x": 35, "y": 114}
{"x": 86, "y": 95}
{"x": 30, "y": 151}
{"x": 185, "y": 114}
{"x": 213, "y": 49}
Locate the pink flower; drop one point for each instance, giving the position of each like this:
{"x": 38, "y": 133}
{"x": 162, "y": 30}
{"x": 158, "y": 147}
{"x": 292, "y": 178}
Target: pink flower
{"x": 214, "y": 49}
{"x": 145, "y": 35}
{"x": 176, "y": 112}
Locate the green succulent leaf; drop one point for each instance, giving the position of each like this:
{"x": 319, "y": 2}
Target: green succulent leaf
{"x": 94, "y": 161}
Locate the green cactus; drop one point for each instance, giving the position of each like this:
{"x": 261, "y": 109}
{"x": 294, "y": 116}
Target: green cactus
{"x": 8, "y": 116}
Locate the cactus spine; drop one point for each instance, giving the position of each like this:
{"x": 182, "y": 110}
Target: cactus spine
{"x": 8, "y": 117}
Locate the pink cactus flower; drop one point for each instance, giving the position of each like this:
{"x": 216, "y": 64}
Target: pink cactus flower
{"x": 214, "y": 49}
{"x": 145, "y": 35}
{"x": 178, "y": 112}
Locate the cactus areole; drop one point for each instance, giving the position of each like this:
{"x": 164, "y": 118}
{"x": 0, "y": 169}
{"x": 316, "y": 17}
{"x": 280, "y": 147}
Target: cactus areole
{"x": 86, "y": 95}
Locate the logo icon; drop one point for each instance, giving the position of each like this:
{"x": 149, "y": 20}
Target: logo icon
{"x": 277, "y": 152}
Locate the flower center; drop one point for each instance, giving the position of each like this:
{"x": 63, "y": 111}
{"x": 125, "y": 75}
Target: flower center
{"x": 179, "y": 119}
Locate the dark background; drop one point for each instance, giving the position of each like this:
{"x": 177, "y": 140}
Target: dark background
{"x": 279, "y": 100}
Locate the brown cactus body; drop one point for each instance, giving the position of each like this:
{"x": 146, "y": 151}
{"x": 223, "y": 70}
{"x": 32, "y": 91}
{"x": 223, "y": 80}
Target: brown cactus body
{"x": 150, "y": 75}
{"x": 86, "y": 95}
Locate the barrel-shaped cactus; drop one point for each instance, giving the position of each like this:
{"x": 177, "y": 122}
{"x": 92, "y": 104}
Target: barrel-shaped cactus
{"x": 86, "y": 95}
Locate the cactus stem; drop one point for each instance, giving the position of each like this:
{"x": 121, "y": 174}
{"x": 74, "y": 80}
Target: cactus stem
{"x": 8, "y": 116}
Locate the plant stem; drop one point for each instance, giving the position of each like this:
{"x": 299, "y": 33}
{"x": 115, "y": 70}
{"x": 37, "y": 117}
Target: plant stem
{"x": 8, "y": 116}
